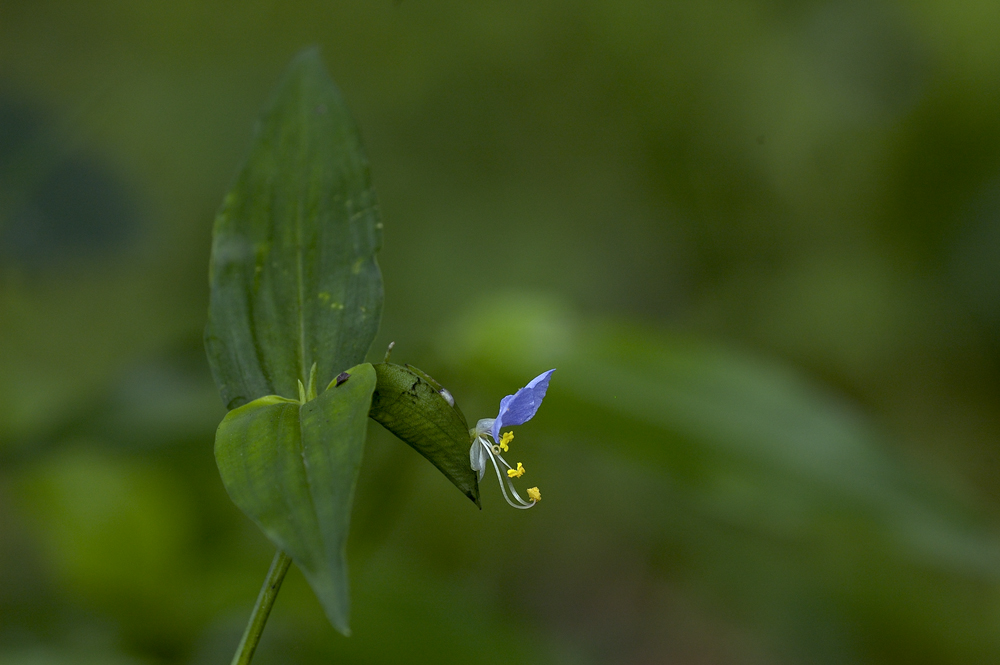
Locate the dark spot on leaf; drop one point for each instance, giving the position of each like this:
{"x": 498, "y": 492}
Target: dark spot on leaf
{"x": 342, "y": 377}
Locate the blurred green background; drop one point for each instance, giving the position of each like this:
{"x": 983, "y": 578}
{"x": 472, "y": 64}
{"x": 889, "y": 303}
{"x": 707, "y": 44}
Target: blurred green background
{"x": 760, "y": 240}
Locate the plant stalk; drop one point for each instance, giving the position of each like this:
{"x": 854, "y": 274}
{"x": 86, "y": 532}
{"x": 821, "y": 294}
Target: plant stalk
{"x": 262, "y": 608}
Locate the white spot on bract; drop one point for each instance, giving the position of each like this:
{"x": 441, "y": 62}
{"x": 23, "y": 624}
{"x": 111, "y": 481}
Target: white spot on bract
{"x": 447, "y": 396}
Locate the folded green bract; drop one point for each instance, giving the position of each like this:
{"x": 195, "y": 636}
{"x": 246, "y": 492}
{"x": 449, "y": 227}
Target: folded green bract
{"x": 418, "y": 410}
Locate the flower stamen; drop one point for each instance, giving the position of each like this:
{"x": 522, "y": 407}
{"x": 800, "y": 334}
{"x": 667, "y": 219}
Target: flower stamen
{"x": 516, "y": 473}
{"x": 505, "y": 439}
{"x": 521, "y": 503}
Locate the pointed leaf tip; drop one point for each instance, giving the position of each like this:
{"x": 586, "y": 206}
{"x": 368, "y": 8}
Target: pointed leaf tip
{"x": 292, "y": 469}
{"x": 293, "y": 276}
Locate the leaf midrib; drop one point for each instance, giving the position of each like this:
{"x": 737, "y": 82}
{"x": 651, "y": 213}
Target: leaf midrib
{"x": 303, "y": 150}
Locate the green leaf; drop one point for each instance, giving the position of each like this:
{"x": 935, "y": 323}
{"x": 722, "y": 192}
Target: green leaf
{"x": 292, "y": 467}
{"x": 415, "y": 407}
{"x": 293, "y": 274}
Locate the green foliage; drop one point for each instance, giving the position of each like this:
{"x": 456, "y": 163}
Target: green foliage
{"x": 416, "y": 408}
{"x": 296, "y": 297}
{"x": 761, "y": 228}
{"x": 293, "y": 275}
{"x": 292, "y": 467}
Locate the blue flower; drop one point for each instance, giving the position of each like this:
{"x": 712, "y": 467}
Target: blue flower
{"x": 487, "y": 442}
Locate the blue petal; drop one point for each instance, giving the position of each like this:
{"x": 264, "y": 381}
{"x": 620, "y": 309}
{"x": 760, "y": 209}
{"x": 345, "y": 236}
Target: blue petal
{"x": 520, "y": 407}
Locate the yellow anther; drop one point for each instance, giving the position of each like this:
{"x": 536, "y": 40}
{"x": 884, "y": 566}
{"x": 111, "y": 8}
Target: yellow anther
{"x": 516, "y": 473}
{"x": 534, "y": 494}
{"x": 505, "y": 439}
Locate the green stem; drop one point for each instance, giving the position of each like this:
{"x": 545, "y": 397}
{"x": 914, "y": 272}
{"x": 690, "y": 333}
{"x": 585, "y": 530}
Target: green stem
{"x": 262, "y": 608}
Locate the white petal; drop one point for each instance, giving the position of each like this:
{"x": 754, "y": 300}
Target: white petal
{"x": 483, "y": 426}
{"x": 477, "y": 457}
